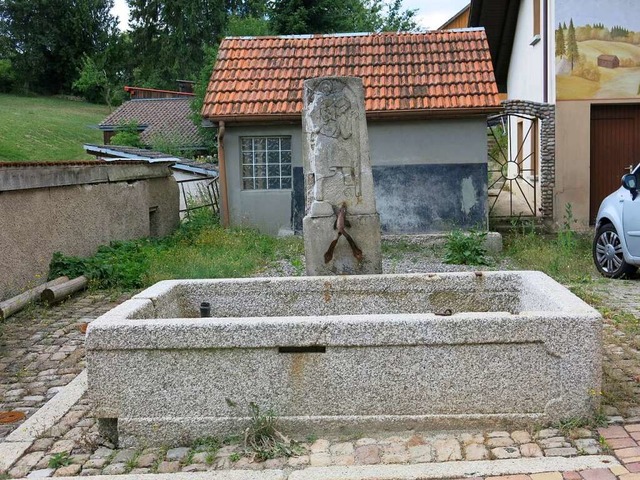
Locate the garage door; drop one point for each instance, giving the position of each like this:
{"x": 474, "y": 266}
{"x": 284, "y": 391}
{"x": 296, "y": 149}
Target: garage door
{"x": 615, "y": 144}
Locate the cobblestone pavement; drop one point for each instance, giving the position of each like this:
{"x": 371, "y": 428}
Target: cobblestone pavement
{"x": 42, "y": 350}
{"x": 28, "y": 369}
{"x": 621, "y": 342}
{"x": 77, "y": 435}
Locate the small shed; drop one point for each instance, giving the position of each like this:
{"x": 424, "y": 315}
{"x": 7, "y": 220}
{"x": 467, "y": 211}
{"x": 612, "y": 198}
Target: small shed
{"x": 427, "y": 98}
{"x": 608, "y": 61}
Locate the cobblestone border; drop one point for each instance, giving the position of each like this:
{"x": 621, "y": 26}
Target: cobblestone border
{"x": 546, "y": 468}
{"x": 21, "y": 439}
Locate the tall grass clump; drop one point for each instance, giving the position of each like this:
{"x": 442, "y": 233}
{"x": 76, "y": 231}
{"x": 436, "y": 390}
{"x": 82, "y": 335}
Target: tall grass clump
{"x": 199, "y": 248}
{"x": 565, "y": 255}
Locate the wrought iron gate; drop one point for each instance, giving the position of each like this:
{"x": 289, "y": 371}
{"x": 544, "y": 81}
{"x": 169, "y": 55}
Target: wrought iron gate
{"x": 513, "y": 165}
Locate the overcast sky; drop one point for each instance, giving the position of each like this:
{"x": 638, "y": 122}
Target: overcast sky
{"x": 431, "y": 13}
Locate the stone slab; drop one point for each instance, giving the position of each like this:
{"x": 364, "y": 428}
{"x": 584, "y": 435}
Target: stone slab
{"x": 51, "y": 412}
{"x": 483, "y": 468}
{"x": 10, "y": 452}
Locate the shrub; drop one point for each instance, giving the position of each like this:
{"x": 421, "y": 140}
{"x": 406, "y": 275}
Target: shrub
{"x": 118, "y": 265}
{"x": 466, "y": 248}
{"x": 128, "y": 135}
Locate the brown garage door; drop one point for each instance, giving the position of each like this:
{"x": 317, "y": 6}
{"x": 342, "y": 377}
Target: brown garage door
{"x": 615, "y": 144}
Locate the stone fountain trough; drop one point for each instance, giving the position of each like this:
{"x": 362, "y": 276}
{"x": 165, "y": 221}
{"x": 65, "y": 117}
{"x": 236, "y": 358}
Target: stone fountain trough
{"x": 344, "y": 354}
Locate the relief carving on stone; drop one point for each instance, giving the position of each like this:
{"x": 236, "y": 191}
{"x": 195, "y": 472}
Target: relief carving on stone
{"x": 334, "y": 142}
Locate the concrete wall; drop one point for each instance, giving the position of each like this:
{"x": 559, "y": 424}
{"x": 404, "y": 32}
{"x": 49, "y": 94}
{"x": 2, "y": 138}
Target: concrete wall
{"x": 268, "y": 210}
{"x": 75, "y": 209}
{"x": 443, "y": 160}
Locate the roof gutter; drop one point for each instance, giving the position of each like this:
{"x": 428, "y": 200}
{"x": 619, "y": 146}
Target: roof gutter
{"x": 371, "y": 115}
{"x": 222, "y": 166}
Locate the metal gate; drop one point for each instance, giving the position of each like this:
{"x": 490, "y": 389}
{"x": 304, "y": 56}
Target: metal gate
{"x": 199, "y": 193}
{"x": 513, "y": 165}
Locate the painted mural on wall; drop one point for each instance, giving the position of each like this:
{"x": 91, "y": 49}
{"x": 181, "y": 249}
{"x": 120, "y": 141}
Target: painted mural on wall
{"x": 597, "y": 49}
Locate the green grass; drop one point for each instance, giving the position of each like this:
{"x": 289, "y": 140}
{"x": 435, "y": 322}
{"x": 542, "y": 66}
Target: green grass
{"x": 569, "y": 262}
{"x": 46, "y": 129}
{"x": 200, "y": 248}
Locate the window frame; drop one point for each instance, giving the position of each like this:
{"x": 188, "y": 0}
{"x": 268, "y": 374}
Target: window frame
{"x": 262, "y": 160}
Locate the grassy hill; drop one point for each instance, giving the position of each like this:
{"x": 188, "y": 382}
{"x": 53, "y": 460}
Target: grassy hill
{"x": 45, "y": 129}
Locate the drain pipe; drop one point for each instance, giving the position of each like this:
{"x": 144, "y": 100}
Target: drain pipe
{"x": 223, "y": 176}
{"x": 545, "y": 47}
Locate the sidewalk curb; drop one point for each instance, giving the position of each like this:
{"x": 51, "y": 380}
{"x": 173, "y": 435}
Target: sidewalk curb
{"x": 482, "y": 468}
{"x": 422, "y": 471}
{"x": 18, "y": 441}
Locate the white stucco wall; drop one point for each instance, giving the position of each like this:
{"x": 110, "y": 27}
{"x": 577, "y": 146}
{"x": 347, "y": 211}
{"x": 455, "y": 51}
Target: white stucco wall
{"x": 526, "y": 69}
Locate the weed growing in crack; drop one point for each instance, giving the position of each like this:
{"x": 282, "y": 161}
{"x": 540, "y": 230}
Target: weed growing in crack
{"x": 263, "y": 440}
{"x": 58, "y": 460}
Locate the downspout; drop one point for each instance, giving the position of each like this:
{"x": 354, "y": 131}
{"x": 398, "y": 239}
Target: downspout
{"x": 223, "y": 176}
{"x": 545, "y": 47}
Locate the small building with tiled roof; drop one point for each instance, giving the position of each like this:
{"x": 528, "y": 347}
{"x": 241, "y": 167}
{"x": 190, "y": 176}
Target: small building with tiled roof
{"x": 427, "y": 97}
{"x": 164, "y": 121}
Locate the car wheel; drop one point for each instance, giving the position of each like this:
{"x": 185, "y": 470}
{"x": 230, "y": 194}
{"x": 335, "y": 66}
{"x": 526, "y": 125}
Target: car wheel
{"x": 607, "y": 253}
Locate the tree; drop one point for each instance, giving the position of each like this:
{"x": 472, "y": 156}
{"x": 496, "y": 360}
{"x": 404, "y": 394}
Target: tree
{"x": 561, "y": 48}
{"x": 94, "y": 83}
{"x": 572, "y": 45}
{"x": 391, "y": 18}
{"x": 47, "y": 39}
{"x": 170, "y": 36}
{"x": 334, "y": 16}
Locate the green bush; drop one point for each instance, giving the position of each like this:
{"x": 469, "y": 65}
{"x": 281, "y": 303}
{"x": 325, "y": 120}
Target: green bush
{"x": 466, "y": 248}
{"x": 128, "y": 135}
{"x": 118, "y": 265}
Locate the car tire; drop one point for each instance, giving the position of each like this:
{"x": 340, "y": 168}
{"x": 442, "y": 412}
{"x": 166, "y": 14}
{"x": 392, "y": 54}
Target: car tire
{"x": 607, "y": 253}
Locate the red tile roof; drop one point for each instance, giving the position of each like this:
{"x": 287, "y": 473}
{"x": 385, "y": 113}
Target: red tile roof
{"x": 433, "y": 72}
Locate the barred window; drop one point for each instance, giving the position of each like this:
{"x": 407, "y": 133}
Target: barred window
{"x": 266, "y": 163}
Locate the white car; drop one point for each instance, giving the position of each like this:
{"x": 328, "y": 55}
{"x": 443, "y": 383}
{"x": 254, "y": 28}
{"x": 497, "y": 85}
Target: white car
{"x": 616, "y": 246}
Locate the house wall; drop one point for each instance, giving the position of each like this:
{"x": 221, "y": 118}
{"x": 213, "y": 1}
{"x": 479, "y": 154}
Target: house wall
{"x": 75, "y": 209}
{"x": 267, "y": 210}
{"x": 526, "y": 78}
{"x": 429, "y": 176}
{"x": 573, "y": 151}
